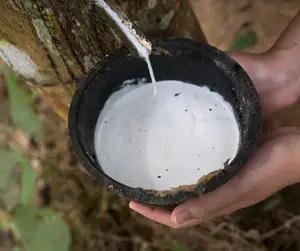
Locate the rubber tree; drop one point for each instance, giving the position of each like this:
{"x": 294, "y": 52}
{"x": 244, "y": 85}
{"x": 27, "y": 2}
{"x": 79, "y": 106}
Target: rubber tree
{"x": 53, "y": 43}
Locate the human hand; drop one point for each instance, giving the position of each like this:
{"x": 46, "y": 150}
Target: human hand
{"x": 275, "y": 77}
{"x": 273, "y": 167}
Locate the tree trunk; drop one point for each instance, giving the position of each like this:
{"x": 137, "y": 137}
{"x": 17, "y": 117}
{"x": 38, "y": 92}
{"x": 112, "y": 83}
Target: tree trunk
{"x": 51, "y": 43}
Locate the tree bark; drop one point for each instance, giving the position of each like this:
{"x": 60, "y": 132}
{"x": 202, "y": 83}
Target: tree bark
{"x": 51, "y": 43}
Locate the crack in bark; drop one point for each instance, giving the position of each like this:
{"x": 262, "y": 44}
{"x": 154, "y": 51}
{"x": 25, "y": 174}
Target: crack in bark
{"x": 75, "y": 54}
{"x": 56, "y": 44}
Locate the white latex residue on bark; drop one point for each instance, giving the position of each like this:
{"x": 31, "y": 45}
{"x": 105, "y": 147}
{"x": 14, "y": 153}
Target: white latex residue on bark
{"x": 19, "y": 61}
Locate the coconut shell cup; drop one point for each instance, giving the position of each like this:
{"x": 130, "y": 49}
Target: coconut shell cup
{"x": 173, "y": 59}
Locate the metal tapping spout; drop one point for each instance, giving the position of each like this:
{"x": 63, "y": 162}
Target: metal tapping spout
{"x": 130, "y": 34}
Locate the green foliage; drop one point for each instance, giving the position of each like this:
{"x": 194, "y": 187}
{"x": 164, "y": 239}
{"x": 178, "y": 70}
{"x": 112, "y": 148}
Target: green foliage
{"x": 28, "y": 182}
{"x": 26, "y": 120}
{"x": 244, "y": 40}
{"x": 10, "y": 175}
{"x": 55, "y": 226}
{"x": 36, "y": 229}
{"x": 21, "y": 110}
{"x": 16, "y": 248}
{"x": 9, "y": 180}
{"x": 26, "y": 221}
{"x": 180, "y": 248}
{"x": 41, "y": 231}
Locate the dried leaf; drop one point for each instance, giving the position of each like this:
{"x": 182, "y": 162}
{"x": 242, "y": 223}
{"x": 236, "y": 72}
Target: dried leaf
{"x": 21, "y": 140}
{"x": 5, "y": 220}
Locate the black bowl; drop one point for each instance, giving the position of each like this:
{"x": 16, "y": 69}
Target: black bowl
{"x": 175, "y": 59}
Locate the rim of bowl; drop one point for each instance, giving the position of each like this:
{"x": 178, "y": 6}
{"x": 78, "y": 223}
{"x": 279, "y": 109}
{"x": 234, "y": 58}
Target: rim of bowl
{"x": 170, "y": 198}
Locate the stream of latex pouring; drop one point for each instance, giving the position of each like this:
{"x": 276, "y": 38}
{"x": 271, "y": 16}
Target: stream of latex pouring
{"x": 140, "y": 43}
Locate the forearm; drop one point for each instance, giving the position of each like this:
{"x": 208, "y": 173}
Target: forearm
{"x": 294, "y": 157}
{"x": 287, "y": 52}
{"x": 278, "y": 70}
{"x": 285, "y": 148}
{"x": 290, "y": 38}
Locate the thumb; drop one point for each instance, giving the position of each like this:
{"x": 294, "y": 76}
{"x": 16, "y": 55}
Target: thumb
{"x": 208, "y": 205}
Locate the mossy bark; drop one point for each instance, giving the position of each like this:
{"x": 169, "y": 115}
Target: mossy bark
{"x": 53, "y": 43}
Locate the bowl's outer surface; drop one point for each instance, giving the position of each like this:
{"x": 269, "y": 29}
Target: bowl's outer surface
{"x": 174, "y": 59}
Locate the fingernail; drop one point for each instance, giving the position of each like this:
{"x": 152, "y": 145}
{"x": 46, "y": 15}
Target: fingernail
{"x": 182, "y": 217}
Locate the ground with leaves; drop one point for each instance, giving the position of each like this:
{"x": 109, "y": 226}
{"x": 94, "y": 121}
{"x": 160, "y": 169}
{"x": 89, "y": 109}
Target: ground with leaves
{"x": 21, "y": 215}
{"x": 42, "y": 185}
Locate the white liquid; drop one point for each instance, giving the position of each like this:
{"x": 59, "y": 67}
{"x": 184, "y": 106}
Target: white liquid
{"x": 168, "y": 140}
{"x": 153, "y": 80}
{"x": 142, "y": 46}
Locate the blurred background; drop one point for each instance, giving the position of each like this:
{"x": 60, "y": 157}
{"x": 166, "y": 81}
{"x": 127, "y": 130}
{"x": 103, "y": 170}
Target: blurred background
{"x": 49, "y": 203}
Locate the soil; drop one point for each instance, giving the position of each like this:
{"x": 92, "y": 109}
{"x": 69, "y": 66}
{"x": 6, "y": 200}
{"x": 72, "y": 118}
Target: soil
{"x": 6, "y": 241}
{"x": 100, "y": 220}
